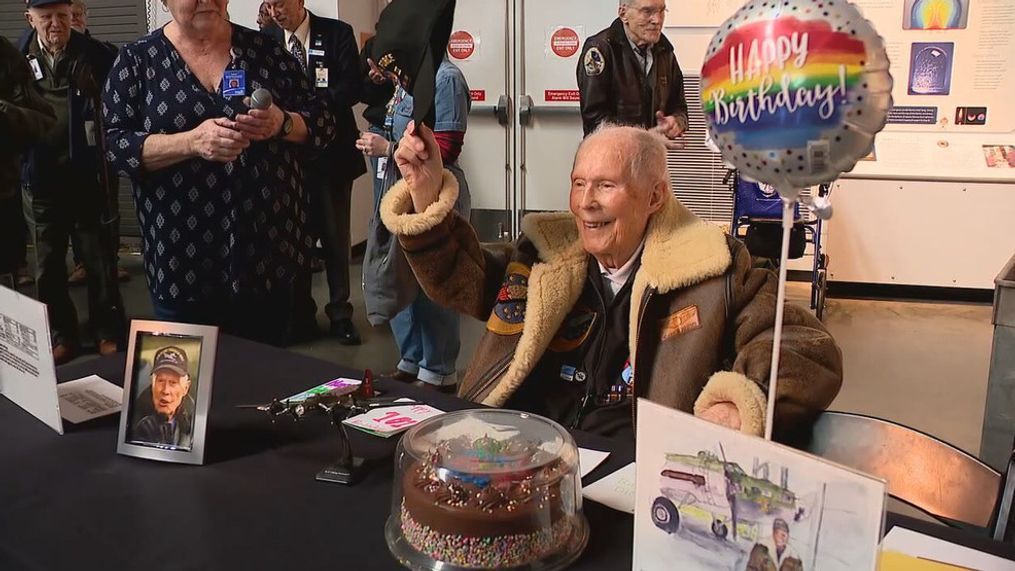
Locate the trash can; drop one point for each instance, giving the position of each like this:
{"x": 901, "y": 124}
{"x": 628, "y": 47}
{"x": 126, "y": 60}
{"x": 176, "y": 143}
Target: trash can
{"x": 999, "y": 412}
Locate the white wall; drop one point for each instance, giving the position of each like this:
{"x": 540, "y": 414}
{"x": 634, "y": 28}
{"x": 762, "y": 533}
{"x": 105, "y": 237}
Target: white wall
{"x": 943, "y": 234}
{"x": 920, "y": 233}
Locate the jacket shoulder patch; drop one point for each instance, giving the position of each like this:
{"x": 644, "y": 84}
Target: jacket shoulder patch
{"x": 508, "y": 315}
{"x": 680, "y": 322}
{"x": 594, "y": 62}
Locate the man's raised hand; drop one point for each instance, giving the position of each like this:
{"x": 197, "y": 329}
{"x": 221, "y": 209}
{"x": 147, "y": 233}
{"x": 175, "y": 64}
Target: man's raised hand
{"x": 419, "y": 160}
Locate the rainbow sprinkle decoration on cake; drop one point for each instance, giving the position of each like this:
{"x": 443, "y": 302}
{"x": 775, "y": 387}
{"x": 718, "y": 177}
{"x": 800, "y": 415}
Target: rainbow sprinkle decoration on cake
{"x": 487, "y": 503}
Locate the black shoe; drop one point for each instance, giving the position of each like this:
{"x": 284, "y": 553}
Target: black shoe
{"x": 345, "y": 331}
{"x": 446, "y": 389}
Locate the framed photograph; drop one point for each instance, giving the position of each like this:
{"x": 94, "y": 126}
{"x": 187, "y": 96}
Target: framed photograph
{"x": 999, "y": 156}
{"x": 710, "y": 498}
{"x": 935, "y": 14}
{"x": 930, "y": 68}
{"x": 167, "y": 391}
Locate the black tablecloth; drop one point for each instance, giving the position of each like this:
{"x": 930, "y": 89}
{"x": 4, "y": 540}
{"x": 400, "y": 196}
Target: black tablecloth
{"x": 71, "y": 502}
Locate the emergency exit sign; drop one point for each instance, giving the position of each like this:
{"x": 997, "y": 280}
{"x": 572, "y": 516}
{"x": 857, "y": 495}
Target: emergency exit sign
{"x": 561, "y": 95}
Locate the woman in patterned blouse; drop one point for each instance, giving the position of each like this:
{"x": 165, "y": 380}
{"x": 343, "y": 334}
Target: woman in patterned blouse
{"x": 217, "y": 185}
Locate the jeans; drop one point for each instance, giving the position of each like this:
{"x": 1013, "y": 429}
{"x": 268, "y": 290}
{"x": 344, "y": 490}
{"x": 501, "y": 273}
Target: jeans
{"x": 428, "y": 341}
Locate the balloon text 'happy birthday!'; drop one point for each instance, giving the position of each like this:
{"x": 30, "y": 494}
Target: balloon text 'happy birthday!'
{"x": 765, "y": 57}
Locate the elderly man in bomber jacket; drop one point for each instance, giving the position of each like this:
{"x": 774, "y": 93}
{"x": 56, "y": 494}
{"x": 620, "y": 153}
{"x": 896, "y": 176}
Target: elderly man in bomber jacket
{"x": 628, "y": 295}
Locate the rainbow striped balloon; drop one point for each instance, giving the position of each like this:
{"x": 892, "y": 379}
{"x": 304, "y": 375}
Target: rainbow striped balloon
{"x": 795, "y": 90}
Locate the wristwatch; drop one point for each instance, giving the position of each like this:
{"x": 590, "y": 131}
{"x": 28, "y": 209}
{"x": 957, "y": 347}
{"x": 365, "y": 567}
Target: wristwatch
{"x": 287, "y": 126}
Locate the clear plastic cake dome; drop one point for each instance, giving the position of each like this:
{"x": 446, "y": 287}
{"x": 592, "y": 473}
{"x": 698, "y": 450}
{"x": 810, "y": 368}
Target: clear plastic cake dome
{"x": 487, "y": 489}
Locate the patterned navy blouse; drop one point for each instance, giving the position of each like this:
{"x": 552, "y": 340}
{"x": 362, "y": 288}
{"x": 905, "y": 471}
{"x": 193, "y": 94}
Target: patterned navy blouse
{"x": 211, "y": 229}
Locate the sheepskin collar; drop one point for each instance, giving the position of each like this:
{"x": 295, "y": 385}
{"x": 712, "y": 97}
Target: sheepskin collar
{"x": 680, "y": 248}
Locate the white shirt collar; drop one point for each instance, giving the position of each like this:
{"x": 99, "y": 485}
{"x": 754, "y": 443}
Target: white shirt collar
{"x": 302, "y": 32}
{"x": 50, "y": 58}
{"x": 615, "y": 279}
{"x": 646, "y": 60}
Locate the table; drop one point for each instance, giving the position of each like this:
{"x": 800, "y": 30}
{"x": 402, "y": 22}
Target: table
{"x": 70, "y": 502}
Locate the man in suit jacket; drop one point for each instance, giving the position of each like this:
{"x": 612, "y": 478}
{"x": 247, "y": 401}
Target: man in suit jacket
{"x": 327, "y": 50}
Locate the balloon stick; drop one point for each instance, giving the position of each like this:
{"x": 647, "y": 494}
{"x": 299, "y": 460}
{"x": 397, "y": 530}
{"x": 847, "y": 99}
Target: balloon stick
{"x": 773, "y": 379}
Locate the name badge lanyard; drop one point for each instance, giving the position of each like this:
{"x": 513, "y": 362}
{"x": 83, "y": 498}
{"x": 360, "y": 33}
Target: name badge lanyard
{"x": 234, "y": 78}
{"x": 389, "y": 134}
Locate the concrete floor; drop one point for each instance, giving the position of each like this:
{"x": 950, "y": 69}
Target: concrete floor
{"x": 921, "y": 364}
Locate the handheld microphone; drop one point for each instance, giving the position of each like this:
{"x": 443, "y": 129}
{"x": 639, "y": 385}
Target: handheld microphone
{"x": 260, "y": 99}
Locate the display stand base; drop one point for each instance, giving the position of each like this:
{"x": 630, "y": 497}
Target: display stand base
{"x": 339, "y": 474}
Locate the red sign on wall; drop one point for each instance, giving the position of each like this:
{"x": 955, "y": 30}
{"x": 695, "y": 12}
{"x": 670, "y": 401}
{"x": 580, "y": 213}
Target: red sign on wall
{"x": 461, "y": 45}
{"x": 564, "y": 42}
{"x": 477, "y": 94}
{"x": 561, "y": 95}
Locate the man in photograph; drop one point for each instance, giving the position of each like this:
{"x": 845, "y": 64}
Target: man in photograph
{"x": 172, "y": 421}
{"x": 776, "y": 555}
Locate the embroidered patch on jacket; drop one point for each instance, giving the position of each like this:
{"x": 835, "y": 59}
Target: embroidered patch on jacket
{"x": 576, "y": 330}
{"x": 508, "y": 315}
{"x": 594, "y": 62}
{"x": 680, "y": 322}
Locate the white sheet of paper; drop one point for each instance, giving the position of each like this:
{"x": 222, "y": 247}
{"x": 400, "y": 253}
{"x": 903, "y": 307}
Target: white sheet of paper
{"x": 614, "y": 491}
{"x": 388, "y": 421}
{"x": 588, "y": 459}
{"x": 916, "y": 544}
{"x": 27, "y": 371}
{"x": 88, "y": 398}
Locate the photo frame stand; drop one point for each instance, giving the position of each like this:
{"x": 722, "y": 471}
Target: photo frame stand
{"x": 187, "y": 351}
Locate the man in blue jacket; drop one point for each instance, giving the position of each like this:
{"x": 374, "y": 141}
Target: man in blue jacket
{"x": 327, "y": 50}
{"x": 65, "y": 181}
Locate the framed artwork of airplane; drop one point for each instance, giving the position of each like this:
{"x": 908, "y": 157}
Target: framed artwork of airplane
{"x": 712, "y": 498}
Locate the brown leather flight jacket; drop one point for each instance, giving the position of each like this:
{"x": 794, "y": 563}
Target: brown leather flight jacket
{"x": 613, "y": 87}
{"x": 701, "y": 323}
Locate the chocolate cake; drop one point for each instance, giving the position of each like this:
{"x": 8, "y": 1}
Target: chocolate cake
{"x": 487, "y": 503}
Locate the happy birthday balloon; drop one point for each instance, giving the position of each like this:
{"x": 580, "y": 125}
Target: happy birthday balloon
{"x": 795, "y": 90}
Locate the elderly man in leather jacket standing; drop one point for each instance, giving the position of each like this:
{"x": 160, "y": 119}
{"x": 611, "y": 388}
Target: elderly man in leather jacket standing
{"x": 628, "y": 74}
{"x": 64, "y": 179}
